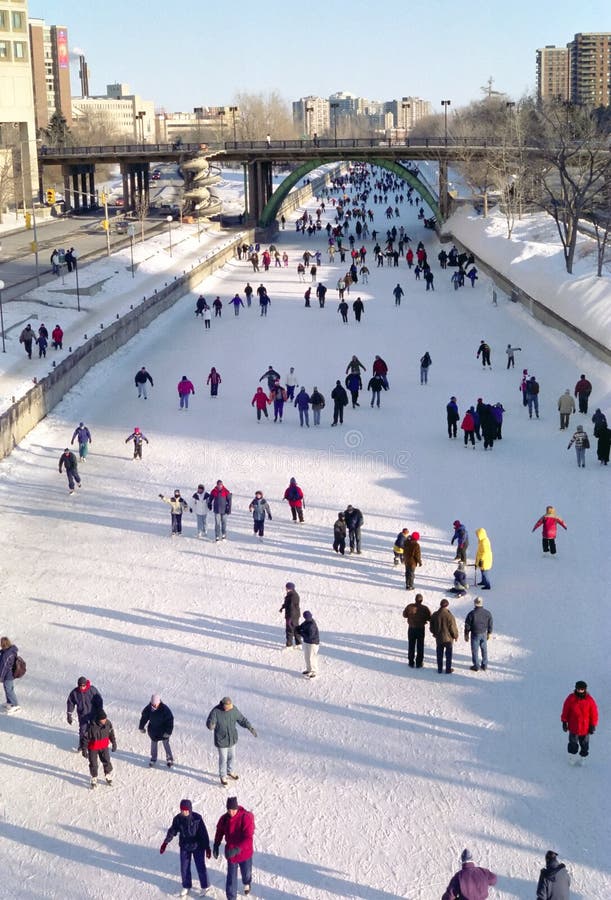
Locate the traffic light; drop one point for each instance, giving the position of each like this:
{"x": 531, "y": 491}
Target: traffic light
{"x": 50, "y": 194}
{"x": 103, "y": 198}
{"x": 28, "y": 220}
{"x": 105, "y": 224}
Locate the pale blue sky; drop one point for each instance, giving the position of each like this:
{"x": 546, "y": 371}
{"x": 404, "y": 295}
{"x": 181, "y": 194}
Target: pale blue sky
{"x": 199, "y": 52}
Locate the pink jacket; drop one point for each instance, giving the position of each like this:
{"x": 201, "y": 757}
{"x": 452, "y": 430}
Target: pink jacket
{"x": 185, "y": 387}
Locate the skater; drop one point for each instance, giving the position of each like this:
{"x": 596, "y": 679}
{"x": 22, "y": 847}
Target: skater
{"x": 358, "y": 308}
{"x": 84, "y": 439}
{"x": 425, "y": 363}
{"x": 214, "y": 379}
{"x": 294, "y": 496}
{"x": 412, "y": 557}
{"x": 468, "y": 427}
{"x": 278, "y": 397}
{"x": 321, "y": 291}
{"x": 308, "y": 631}
{"x": 177, "y": 506}
{"x": 354, "y": 366}
{"x": 582, "y": 443}
{"x": 398, "y": 292}
{"x": 583, "y": 389}
{"x": 248, "y": 292}
{"x": 354, "y": 522}
{"x": 380, "y": 368}
{"x": 302, "y": 402}
{"x": 140, "y": 380}
{"x": 193, "y": 843}
{"x": 532, "y": 396}
{"x": 68, "y": 461}
{"x": 339, "y": 534}
{"x": 199, "y": 505}
{"x": 354, "y": 385}
{"x": 471, "y": 881}
{"x": 8, "y": 655}
{"x": 100, "y": 739}
{"x": 510, "y": 351}
{"x": 340, "y": 400}
{"x": 459, "y": 588}
{"x": 484, "y": 350}
{"x": 264, "y": 301}
{"x": 523, "y": 385}
{"x": 87, "y": 701}
{"x": 219, "y": 502}
{"x": 343, "y": 311}
{"x": 554, "y": 880}
{"x": 478, "y": 628}
{"x": 237, "y": 826}
{"x": 317, "y": 402}
{"x": 200, "y": 305}
{"x": 549, "y": 521}
{"x": 43, "y": 343}
{"x": 376, "y": 386}
{"x": 566, "y": 406}
{"x": 137, "y": 437}
{"x": 259, "y": 507}
{"x": 290, "y": 383}
{"x": 223, "y": 720}
{"x": 599, "y": 420}
{"x": 445, "y": 631}
{"x": 417, "y": 615}
{"x": 236, "y": 300}
{"x": 488, "y": 424}
{"x": 185, "y": 387}
{"x": 290, "y": 608}
{"x": 160, "y": 723}
{"x": 260, "y": 401}
{"x": 207, "y": 317}
{"x": 57, "y": 336}
{"x": 26, "y": 337}
{"x": 461, "y": 536}
{"x": 217, "y": 304}
{"x": 399, "y": 546}
{"x": 603, "y": 446}
{"x": 483, "y": 557}
{"x": 453, "y": 416}
{"x": 579, "y": 718}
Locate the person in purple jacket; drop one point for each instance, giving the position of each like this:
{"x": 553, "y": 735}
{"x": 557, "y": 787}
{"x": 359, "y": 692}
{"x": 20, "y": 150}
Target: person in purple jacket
{"x": 302, "y": 402}
{"x": 470, "y": 882}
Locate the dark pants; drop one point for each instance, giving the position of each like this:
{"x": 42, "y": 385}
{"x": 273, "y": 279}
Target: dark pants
{"x": 409, "y": 578}
{"x": 297, "y": 513}
{"x": 339, "y": 545}
{"x": 375, "y": 397}
{"x": 415, "y": 644}
{"x": 549, "y": 545}
{"x": 138, "y": 451}
{"x": 452, "y": 429}
{"x": 583, "y": 402}
{"x": 166, "y": 747}
{"x": 290, "y": 391}
{"x": 485, "y": 357}
{"x": 469, "y": 436}
{"x": 461, "y": 553}
{"x": 28, "y": 348}
{"x": 355, "y": 398}
{"x": 446, "y": 648}
{"x": 291, "y": 635}
{"x": 199, "y": 859}
{"x": 102, "y": 756}
{"x": 581, "y": 740}
{"x": 73, "y": 476}
{"x": 564, "y": 420}
{"x": 231, "y": 885}
{"x": 176, "y": 523}
{"x": 355, "y": 539}
{"x": 264, "y": 411}
{"x": 214, "y": 389}
{"x": 338, "y": 414}
{"x": 259, "y": 526}
{"x": 278, "y": 409}
{"x": 488, "y": 440}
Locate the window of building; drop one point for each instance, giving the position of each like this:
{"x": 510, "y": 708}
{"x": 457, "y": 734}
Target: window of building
{"x": 5, "y": 50}
{"x": 18, "y": 20}
{"x": 3, "y": 20}
{"x": 20, "y": 51}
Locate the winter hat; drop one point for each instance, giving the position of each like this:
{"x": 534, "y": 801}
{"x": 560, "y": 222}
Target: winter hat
{"x": 466, "y": 856}
{"x": 136, "y": 431}
{"x": 101, "y": 716}
{"x": 551, "y": 856}
{"x": 80, "y": 424}
{"x": 350, "y": 506}
{"x": 456, "y": 523}
{"x": 307, "y": 614}
{"x": 415, "y": 535}
{"x": 478, "y": 601}
{"x": 418, "y": 598}
{"x": 290, "y": 586}
{"x": 82, "y": 681}
{"x": 581, "y": 686}
{"x": 155, "y": 700}
{"x": 186, "y": 804}
{"x": 227, "y": 701}
{"x": 580, "y": 428}
{"x": 293, "y": 481}
{"x": 232, "y": 803}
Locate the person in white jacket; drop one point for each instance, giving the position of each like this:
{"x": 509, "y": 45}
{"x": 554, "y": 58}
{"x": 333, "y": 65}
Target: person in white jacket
{"x": 177, "y": 507}
{"x": 291, "y": 381}
{"x": 199, "y": 506}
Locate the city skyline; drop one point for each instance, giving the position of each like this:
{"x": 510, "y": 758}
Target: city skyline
{"x": 451, "y": 58}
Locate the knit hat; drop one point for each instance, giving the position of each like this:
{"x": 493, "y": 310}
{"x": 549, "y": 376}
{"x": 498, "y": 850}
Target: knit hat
{"x": 82, "y": 681}
{"x": 581, "y": 686}
{"x": 307, "y": 614}
{"x": 580, "y": 428}
{"x": 415, "y": 535}
{"x": 101, "y": 716}
{"x": 466, "y": 856}
{"x": 478, "y": 601}
{"x": 456, "y": 523}
{"x": 290, "y": 586}
{"x": 232, "y": 803}
{"x": 551, "y": 856}
{"x": 186, "y": 804}
{"x": 226, "y": 701}
{"x": 155, "y": 700}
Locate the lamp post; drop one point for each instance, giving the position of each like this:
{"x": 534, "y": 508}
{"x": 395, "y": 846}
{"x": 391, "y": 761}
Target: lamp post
{"x": 334, "y": 107}
{"x": 405, "y": 106}
{"x": 221, "y": 115}
{"x": 131, "y": 230}
{"x": 445, "y": 104}
{"x": 169, "y": 221}
{"x": 2, "y": 316}
{"x": 308, "y": 111}
{"x": 23, "y": 144}
{"x": 233, "y": 110}
{"x": 78, "y": 294}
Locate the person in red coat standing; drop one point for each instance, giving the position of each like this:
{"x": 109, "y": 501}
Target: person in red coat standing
{"x": 294, "y": 496}
{"x": 237, "y": 826}
{"x": 579, "y": 718}
{"x": 260, "y": 401}
{"x": 550, "y": 522}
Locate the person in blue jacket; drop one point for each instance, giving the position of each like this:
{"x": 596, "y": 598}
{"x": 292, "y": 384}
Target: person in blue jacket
{"x": 194, "y": 844}
{"x": 259, "y": 507}
{"x": 302, "y": 402}
{"x": 82, "y": 433}
{"x": 354, "y": 385}
{"x": 453, "y": 416}
{"x": 461, "y": 536}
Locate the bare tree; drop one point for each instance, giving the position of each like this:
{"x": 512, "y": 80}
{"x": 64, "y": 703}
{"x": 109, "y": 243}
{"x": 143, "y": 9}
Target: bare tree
{"x": 263, "y": 114}
{"x": 7, "y": 180}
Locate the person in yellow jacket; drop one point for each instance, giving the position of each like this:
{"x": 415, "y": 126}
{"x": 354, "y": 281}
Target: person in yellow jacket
{"x": 483, "y": 557}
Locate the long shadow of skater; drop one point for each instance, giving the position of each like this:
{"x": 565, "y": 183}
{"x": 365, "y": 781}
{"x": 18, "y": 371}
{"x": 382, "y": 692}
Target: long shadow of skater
{"x": 41, "y": 768}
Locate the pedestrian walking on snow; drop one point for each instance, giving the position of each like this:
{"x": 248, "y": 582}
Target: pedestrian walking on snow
{"x": 444, "y": 629}
{"x": 354, "y": 522}
{"x": 237, "y": 827}
{"x": 26, "y": 338}
{"x": 158, "y": 720}
{"x": 294, "y": 496}
{"x": 470, "y": 882}
{"x": 140, "y": 380}
{"x": 259, "y": 507}
{"x": 566, "y": 406}
{"x": 340, "y": 400}
{"x": 452, "y": 416}
{"x": 177, "y": 506}
{"x": 137, "y": 437}
{"x": 554, "y": 880}
{"x": 219, "y": 502}
{"x": 417, "y": 615}
{"x": 260, "y": 401}
{"x": 100, "y": 739}
{"x": 8, "y": 656}
{"x": 290, "y": 608}
{"x": 582, "y": 443}
{"x": 412, "y": 557}
{"x": 317, "y": 402}
{"x": 87, "y": 701}
{"x": 82, "y": 433}
{"x": 214, "y": 379}
{"x": 68, "y": 462}
{"x": 549, "y": 522}
{"x": 532, "y": 396}
{"x": 397, "y": 294}
{"x": 193, "y": 844}
{"x": 478, "y": 628}
{"x": 308, "y": 631}
{"x": 583, "y": 389}
{"x": 222, "y": 719}
{"x": 302, "y": 402}
{"x": 579, "y": 720}
{"x": 185, "y": 387}
{"x": 425, "y": 363}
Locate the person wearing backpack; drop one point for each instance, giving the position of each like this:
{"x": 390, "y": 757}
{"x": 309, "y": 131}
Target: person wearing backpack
{"x": 8, "y": 656}
{"x": 294, "y": 496}
{"x": 532, "y": 396}
{"x": 425, "y": 362}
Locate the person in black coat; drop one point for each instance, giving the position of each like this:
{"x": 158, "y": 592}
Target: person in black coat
{"x": 160, "y": 727}
{"x": 453, "y": 416}
{"x": 354, "y": 522}
{"x": 554, "y": 879}
{"x": 488, "y": 425}
{"x": 339, "y": 534}
{"x": 87, "y": 701}
{"x": 290, "y": 608}
{"x": 340, "y": 400}
{"x": 194, "y": 844}
{"x": 308, "y": 630}
{"x": 140, "y": 380}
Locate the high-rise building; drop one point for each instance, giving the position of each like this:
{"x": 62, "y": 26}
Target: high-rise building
{"x": 119, "y": 112}
{"x": 553, "y": 73}
{"x": 17, "y": 120}
{"x": 590, "y": 69}
{"x": 407, "y": 111}
{"x": 311, "y": 115}
{"x": 50, "y": 71}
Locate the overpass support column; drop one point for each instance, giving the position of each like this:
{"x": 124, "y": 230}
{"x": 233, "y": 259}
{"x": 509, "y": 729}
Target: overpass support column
{"x": 67, "y": 191}
{"x": 76, "y": 198}
{"x": 92, "y": 197}
{"x": 444, "y": 204}
{"x": 85, "y": 199}
{"x": 125, "y": 185}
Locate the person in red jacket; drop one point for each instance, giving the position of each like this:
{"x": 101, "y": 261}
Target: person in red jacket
{"x": 468, "y": 426}
{"x": 380, "y": 368}
{"x": 214, "y": 379}
{"x": 185, "y": 387}
{"x": 57, "y": 336}
{"x": 583, "y": 389}
{"x": 260, "y": 402}
{"x": 237, "y": 826}
{"x": 294, "y": 496}
{"x": 549, "y": 521}
{"x": 579, "y": 718}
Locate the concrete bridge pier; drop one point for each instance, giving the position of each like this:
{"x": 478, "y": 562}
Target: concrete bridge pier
{"x": 136, "y": 188}
{"x": 444, "y": 197}
{"x": 260, "y": 187}
{"x": 79, "y": 186}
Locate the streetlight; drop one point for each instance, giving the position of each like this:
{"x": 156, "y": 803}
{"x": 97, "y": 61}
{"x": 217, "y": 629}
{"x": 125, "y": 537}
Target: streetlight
{"x": 405, "y": 106}
{"x": 233, "y": 110}
{"x": 221, "y": 115}
{"x": 78, "y": 295}
{"x": 2, "y": 316}
{"x": 169, "y": 221}
{"x": 445, "y": 104}
{"x": 23, "y": 144}
{"x": 335, "y": 107}
{"x": 131, "y": 230}
{"x": 308, "y": 111}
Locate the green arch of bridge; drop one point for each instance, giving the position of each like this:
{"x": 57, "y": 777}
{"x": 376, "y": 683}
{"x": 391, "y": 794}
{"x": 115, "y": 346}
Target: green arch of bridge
{"x": 272, "y": 206}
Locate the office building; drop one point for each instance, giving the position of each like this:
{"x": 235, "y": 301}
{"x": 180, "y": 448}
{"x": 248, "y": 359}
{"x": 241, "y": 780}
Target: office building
{"x": 311, "y": 115}
{"x": 50, "y": 71}
{"x": 122, "y": 113}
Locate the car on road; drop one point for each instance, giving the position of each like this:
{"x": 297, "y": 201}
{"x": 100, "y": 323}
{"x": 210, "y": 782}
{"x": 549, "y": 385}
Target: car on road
{"x": 155, "y": 175}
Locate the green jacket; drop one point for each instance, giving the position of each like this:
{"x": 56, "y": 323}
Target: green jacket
{"x": 223, "y": 722}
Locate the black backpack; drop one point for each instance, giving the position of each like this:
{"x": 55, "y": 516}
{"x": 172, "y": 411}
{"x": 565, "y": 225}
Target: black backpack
{"x": 19, "y": 667}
